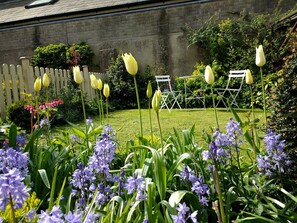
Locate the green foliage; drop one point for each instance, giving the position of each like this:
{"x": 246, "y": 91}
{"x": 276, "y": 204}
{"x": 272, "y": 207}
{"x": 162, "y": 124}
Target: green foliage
{"x": 62, "y": 55}
{"x": 232, "y": 43}
{"x": 283, "y": 102}
{"x": 122, "y": 87}
{"x": 52, "y": 56}
{"x": 17, "y": 114}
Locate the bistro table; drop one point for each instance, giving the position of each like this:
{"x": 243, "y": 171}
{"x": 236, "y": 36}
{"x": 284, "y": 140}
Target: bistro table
{"x": 190, "y": 94}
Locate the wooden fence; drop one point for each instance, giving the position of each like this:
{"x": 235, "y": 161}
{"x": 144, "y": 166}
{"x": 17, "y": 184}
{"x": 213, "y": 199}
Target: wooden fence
{"x": 18, "y": 80}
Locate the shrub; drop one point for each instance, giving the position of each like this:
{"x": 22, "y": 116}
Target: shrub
{"x": 17, "y": 114}
{"x": 232, "y": 42}
{"x": 283, "y": 102}
{"x": 62, "y": 55}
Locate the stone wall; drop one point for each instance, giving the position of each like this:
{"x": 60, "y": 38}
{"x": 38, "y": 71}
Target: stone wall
{"x": 154, "y": 35}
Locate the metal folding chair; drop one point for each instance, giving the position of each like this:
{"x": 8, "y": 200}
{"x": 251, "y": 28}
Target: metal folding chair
{"x": 168, "y": 95}
{"x": 232, "y": 89}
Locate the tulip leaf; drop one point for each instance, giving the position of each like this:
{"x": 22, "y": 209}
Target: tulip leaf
{"x": 43, "y": 175}
{"x": 12, "y": 135}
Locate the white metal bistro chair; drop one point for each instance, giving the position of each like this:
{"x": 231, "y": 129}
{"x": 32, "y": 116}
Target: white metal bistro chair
{"x": 232, "y": 89}
{"x": 169, "y": 97}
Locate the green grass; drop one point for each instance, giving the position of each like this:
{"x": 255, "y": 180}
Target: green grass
{"x": 126, "y": 122}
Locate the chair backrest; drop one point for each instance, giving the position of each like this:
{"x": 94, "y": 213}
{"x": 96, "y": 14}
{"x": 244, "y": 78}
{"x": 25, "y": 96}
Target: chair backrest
{"x": 236, "y": 79}
{"x": 163, "y": 83}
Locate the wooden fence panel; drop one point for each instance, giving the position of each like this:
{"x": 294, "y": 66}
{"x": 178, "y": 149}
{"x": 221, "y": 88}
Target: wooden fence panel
{"x": 2, "y": 96}
{"x": 16, "y": 81}
{"x": 21, "y": 82}
{"x": 7, "y": 79}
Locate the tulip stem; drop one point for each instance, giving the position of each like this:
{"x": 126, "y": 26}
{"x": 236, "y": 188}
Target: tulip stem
{"x": 161, "y": 137}
{"x": 214, "y": 107}
{"x": 150, "y": 116}
{"x": 83, "y": 104}
{"x": 264, "y": 97}
{"x": 107, "y": 110}
{"x": 138, "y": 104}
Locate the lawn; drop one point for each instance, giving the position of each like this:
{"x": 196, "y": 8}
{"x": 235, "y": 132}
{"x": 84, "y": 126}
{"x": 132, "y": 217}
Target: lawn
{"x": 126, "y": 122}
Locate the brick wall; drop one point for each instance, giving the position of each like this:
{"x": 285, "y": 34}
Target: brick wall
{"x": 153, "y": 36}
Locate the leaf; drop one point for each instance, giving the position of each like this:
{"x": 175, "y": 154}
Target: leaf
{"x": 43, "y": 175}
{"x": 12, "y": 135}
{"x": 289, "y": 195}
{"x": 176, "y": 197}
{"x": 175, "y": 165}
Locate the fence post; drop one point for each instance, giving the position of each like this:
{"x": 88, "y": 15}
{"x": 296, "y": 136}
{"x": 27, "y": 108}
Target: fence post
{"x": 25, "y": 62}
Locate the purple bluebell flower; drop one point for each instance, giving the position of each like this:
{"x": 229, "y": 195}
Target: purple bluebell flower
{"x": 136, "y": 184}
{"x": 31, "y": 214}
{"x": 73, "y": 217}
{"x": 74, "y": 138}
{"x": 11, "y": 158}
{"x": 108, "y": 132}
{"x": 55, "y": 215}
{"x": 12, "y": 185}
{"x": 182, "y": 215}
{"x": 275, "y": 160}
{"x": 82, "y": 177}
{"x": 21, "y": 140}
{"x": 91, "y": 217}
{"x": 89, "y": 121}
{"x": 43, "y": 122}
{"x": 103, "y": 154}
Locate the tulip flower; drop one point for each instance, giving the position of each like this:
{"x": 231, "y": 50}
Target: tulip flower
{"x": 132, "y": 68}
{"x": 260, "y": 56}
{"x": 209, "y": 78}
{"x": 78, "y": 78}
{"x": 248, "y": 77}
{"x": 94, "y": 82}
{"x": 260, "y": 61}
{"x": 37, "y": 84}
{"x": 100, "y": 85}
{"x": 45, "y": 80}
{"x": 106, "y": 90}
{"x": 149, "y": 90}
{"x": 156, "y": 100}
{"x": 130, "y": 63}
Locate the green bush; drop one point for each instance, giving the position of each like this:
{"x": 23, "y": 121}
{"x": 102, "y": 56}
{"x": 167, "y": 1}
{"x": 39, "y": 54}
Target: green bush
{"x": 20, "y": 116}
{"x": 232, "y": 43}
{"x": 122, "y": 88}
{"x": 62, "y": 55}
{"x": 283, "y": 102}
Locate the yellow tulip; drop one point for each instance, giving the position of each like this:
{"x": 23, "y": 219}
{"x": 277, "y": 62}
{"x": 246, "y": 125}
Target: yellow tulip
{"x": 149, "y": 90}
{"x": 130, "y": 63}
{"x": 156, "y": 100}
{"x": 106, "y": 90}
{"x": 37, "y": 84}
{"x": 78, "y": 78}
{"x": 209, "y": 78}
{"x": 45, "y": 80}
{"x": 248, "y": 77}
{"x": 260, "y": 56}
{"x": 94, "y": 82}
{"x": 100, "y": 85}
